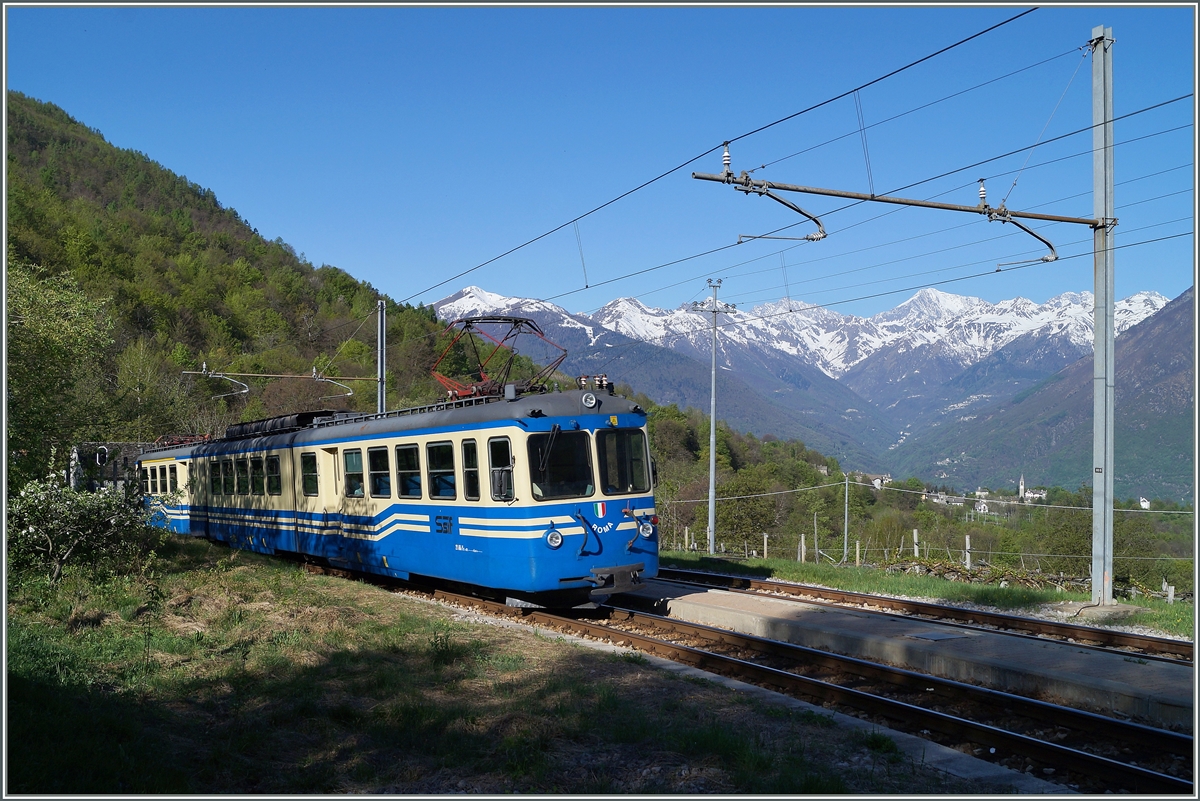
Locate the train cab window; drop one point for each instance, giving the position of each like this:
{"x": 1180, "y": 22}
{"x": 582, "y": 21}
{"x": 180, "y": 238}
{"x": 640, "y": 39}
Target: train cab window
{"x": 257, "y": 477}
{"x": 380, "y": 473}
{"x": 500, "y": 462}
{"x": 440, "y": 463}
{"x": 308, "y": 473}
{"x": 408, "y": 471}
{"x": 242, "y": 471}
{"x": 274, "y": 479}
{"x": 214, "y": 478}
{"x": 174, "y": 477}
{"x": 354, "y": 473}
{"x": 623, "y": 461}
{"x": 470, "y": 459}
{"x": 560, "y": 464}
{"x": 227, "y": 477}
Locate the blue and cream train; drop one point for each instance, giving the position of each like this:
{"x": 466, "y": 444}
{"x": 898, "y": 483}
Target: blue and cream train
{"x": 542, "y": 499}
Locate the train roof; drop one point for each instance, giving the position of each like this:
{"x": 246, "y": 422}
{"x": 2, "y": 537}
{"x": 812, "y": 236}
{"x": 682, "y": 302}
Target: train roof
{"x": 319, "y": 425}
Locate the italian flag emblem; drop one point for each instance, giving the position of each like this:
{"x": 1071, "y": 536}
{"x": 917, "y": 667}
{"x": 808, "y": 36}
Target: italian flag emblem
{"x": 599, "y": 508}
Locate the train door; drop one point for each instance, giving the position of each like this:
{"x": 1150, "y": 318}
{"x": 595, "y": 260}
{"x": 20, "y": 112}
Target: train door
{"x": 355, "y": 502}
{"x": 316, "y": 487}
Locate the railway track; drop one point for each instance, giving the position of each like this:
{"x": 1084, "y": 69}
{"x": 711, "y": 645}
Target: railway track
{"x": 1159, "y": 648}
{"x": 1083, "y": 749}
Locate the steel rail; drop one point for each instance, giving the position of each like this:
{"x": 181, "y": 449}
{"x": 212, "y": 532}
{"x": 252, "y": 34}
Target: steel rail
{"x": 1132, "y": 777}
{"x": 1078, "y": 719}
{"x": 1157, "y": 647}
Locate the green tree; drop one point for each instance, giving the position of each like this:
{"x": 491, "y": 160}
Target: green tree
{"x": 55, "y": 336}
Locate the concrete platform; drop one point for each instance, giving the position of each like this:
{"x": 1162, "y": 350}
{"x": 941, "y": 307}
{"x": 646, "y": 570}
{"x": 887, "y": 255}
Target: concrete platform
{"x": 1152, "y": 692}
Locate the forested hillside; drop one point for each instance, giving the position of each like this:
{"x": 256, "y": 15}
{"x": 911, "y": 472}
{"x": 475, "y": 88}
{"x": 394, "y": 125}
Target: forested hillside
{"x": 122, "y": 275}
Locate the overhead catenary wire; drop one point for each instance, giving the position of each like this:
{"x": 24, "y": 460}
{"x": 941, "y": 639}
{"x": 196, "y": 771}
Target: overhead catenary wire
{"x": 717, "y": 147}
{"x": 852, "y": 204}
{"x": 1047, "y": 125}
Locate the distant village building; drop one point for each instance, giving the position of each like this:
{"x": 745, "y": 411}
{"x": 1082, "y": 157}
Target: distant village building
{"x": 1025, "y": 496}
{"x": 822, "y": 469}
{"x": 877, "y": 480}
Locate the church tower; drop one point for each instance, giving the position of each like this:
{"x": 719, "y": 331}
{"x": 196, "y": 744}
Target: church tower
{"x": 1021, "y": 490}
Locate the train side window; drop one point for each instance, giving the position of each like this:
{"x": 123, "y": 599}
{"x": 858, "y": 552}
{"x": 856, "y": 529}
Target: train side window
{"x": 145, "y": 481}
{"x": 242, "y": 471}
{"x": 408, "y": 471}
{"x": 174, "y": 476}
{"x": 308, "y": 473}
{"x": 257, "y": 477}
{"x": 227, "y": 476}
{"x": 214, "y": 478}
{"x": 470, "y": 459}
{"x": 153, "y": 480}
{"x": 380, "y": 473}
{"x": 501, "y": 463}
{"x": 274, "y": 479}
{"x": 354, "y": 473}
{"x": 624, "y": 467}
{"x": 440, "y": 462}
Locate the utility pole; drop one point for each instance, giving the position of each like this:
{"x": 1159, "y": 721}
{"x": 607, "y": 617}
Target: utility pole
{"x": 381, "y": 375}
{"x": 714, "y": 308}
{"x": 1104, "y": 364}
{"x": 1102, "y": 224}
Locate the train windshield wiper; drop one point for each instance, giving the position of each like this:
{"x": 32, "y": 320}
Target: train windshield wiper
{"x": 549, "y": 447}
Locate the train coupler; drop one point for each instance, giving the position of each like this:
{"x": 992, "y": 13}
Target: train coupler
{"x": 623, "y": 578}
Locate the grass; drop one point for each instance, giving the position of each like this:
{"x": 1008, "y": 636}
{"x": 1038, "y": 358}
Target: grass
{"x": 231, "y": 672}
{"x": 1176, "y": 619}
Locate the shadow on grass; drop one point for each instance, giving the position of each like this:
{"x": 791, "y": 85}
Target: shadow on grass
{"x": 376, "y": 719}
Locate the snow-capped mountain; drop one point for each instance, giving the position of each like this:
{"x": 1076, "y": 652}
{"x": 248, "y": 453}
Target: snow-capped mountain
{"x": 871, "y": 383}
{"x": 965, "y": 329}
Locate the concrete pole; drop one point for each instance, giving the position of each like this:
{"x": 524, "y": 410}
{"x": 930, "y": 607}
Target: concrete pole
{"x": 715, "y": 309}
{"x": 1103, "y": 369}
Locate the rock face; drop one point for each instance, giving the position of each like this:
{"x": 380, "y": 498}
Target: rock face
{"x": 877, "y": 389}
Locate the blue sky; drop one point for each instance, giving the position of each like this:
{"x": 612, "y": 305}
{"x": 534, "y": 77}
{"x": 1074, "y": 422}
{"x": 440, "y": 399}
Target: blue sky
{"x": 408, "y": 145}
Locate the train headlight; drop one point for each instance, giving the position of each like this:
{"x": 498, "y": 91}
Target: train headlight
{"x": 646, "y": 529}
{"x": 554, "y": 538}
{"x": 589, "y": 400}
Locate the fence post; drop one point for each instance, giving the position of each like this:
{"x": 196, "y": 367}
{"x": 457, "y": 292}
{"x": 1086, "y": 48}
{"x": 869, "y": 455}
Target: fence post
{"x": 800, "y": 549}
{"x": 1171, "y": 594}
{"x": 857, "y": 559}
{"x": 764, "y": 545}
{"x": 916, "y": 547}
{"x": 968, "y": 552}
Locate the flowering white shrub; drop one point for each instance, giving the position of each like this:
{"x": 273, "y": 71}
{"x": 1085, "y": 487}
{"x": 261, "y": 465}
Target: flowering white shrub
{"x": 51, "y": 525}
